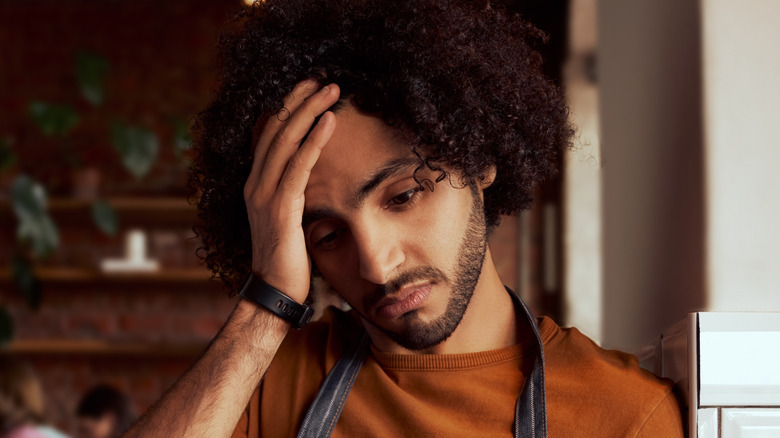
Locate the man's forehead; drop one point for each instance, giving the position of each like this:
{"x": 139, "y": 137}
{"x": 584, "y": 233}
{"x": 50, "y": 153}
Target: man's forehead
{"x": 363, "y": 153}
{"x": 361, "y": 144}
{"x": 354, "y": 185}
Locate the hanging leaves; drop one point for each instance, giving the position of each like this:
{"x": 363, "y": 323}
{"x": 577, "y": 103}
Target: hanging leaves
{"x": 26, "y": 280}
{"x": 182, "y": 140}
{"x": 52, "y": 119}
{"x": 34, "y": 223}
{"x": 137, "y": 147}
{"x": 105, "y": 217}
{"x": 7, "y": 155}
{"x": 91, "y": 71}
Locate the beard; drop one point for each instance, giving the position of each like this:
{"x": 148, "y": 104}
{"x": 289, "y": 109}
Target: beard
{"x": 418, "y": 334}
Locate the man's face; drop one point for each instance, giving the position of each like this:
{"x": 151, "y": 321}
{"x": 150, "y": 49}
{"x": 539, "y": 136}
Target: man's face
{"x": 407, "y": 260}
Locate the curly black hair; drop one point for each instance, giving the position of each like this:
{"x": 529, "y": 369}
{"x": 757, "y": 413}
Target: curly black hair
{"x": 461, "y": 78}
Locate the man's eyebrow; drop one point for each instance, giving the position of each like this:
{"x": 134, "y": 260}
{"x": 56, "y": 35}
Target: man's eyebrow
{"x": 389, "y": 170}
{"x": 310, "y": 217}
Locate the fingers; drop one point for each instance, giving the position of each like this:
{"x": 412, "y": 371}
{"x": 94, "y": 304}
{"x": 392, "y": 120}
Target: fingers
{"x": 289, "y": 137}
{"x": 299, "y": 167}
{"x": 282, "y": 135}
{"x": 292, "y": 101}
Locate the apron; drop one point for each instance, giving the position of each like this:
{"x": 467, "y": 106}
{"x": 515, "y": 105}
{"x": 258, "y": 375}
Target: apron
{"x": 321, "y": 418}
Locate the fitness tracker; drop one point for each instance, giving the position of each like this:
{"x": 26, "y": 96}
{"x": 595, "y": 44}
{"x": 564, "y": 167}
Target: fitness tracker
{"x": 276, "y": 301}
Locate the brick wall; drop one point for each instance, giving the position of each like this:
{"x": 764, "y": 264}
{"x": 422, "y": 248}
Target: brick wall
{"x": 162, "y": 65}
{"x": 174, "y": 325}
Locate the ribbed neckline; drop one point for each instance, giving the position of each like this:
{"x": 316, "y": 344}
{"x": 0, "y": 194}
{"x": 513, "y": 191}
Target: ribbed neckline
{"x": 431, "y": 362}
{"x": 452, "y": 362}
{"x": 547, "y": 329}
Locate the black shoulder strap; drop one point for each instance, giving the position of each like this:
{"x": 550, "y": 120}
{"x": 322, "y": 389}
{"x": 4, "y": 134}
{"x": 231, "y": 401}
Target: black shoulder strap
{"x": 531, "y": 406}
{"x": 530, "y": 409}
{"x": 326, "y": 407}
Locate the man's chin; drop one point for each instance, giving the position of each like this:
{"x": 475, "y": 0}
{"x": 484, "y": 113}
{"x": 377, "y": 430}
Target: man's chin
{"x": 418, "y": 335}
{"x": 416, "y": 342}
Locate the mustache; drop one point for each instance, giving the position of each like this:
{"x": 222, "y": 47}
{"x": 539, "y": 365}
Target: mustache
{"x": 405, "y": 278}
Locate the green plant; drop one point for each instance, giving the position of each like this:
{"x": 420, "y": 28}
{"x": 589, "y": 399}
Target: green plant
{"x": 7, "y": 157}
{"x": 137, "y": 146}
{"x": 34, "y": 225}
{"x": 58, "y": 120}
{"x": 37, "y": 238}
{"x": 91, "y": 70}
{"x": 36, "y": 233}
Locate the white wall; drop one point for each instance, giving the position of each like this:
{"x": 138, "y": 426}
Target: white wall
{"x": 742, "y": 125}
{"x": 652, "y": 159}
{"x": 582, "y": 179}
{"x": 689, "y": 96}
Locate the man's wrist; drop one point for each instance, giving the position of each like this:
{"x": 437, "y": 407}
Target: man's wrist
{"x": 276, "y": 302}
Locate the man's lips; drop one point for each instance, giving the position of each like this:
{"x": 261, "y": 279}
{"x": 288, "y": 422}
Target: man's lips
{"x": 403, "y": 301}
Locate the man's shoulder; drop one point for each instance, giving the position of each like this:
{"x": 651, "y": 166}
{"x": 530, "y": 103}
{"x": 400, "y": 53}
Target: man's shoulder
{"x": 570, "y": 353}
{"x": 606, "y": 386}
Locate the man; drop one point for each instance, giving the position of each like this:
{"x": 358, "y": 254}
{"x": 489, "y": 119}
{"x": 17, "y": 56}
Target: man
{"x": 104, "y": 412}
{"x": 375, "y": 144}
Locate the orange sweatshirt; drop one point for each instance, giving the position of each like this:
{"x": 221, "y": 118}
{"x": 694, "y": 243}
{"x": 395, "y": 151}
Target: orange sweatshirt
{"x": 591, "y": 392}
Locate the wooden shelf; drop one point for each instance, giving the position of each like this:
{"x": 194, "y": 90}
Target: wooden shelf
{"x": 156, "y": 211}
{"x": 79, "y": 276}
{"x": 68, "y": 347}
{"x": 125, "y": 203}
{"x": 145, "y": 204}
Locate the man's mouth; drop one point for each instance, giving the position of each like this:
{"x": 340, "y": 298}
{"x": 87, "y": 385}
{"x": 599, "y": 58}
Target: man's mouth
{"x": 405, "y": 300}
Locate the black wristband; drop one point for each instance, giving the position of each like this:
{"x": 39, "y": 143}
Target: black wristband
{"x": 276, "y": 301}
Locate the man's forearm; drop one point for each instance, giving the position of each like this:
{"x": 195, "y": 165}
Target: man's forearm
{"x": 208, "y": 399}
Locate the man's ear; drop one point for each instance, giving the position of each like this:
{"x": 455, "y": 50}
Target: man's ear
{"x": 487, "y": 177}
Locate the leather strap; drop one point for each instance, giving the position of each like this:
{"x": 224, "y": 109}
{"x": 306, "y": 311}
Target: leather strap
{"x": 326, "y": 407}
{"x": 531, "y": 405}
{"x": 276, "y": 301}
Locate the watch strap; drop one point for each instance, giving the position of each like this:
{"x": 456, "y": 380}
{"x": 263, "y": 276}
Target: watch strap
{"x": 276, "y": 302}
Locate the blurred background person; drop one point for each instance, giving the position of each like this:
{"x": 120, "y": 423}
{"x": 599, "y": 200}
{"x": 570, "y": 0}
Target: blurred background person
{"x": 22, "y": 402}
{"x": 104, "y": 412}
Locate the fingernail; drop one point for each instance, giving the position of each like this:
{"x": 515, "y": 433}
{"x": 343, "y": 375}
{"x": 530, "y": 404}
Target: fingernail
{"x": 324, "y": 89}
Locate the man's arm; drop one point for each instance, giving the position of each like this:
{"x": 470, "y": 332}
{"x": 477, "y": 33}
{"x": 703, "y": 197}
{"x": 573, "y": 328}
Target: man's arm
{"x": 208, "y": 399}
{"x": 666, "y": 420}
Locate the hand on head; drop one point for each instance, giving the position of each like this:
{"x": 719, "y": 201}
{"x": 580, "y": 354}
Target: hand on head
{"x": 286, "y": 151}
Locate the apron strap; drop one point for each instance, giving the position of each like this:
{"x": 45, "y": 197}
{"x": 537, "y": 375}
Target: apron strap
{"x": 326, "y": 407}
{"x": 530, "y": 409}
{"x": 531, "y": 406}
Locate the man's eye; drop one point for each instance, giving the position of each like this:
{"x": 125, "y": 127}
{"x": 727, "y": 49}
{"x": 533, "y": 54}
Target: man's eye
{"x": 330, "y": 240}
{"x": 404, "y": 197}
{"x": 330, "y": 237}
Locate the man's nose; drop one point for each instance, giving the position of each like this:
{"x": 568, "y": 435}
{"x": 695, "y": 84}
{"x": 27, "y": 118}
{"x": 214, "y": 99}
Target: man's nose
{"x": 379, "y": 253}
